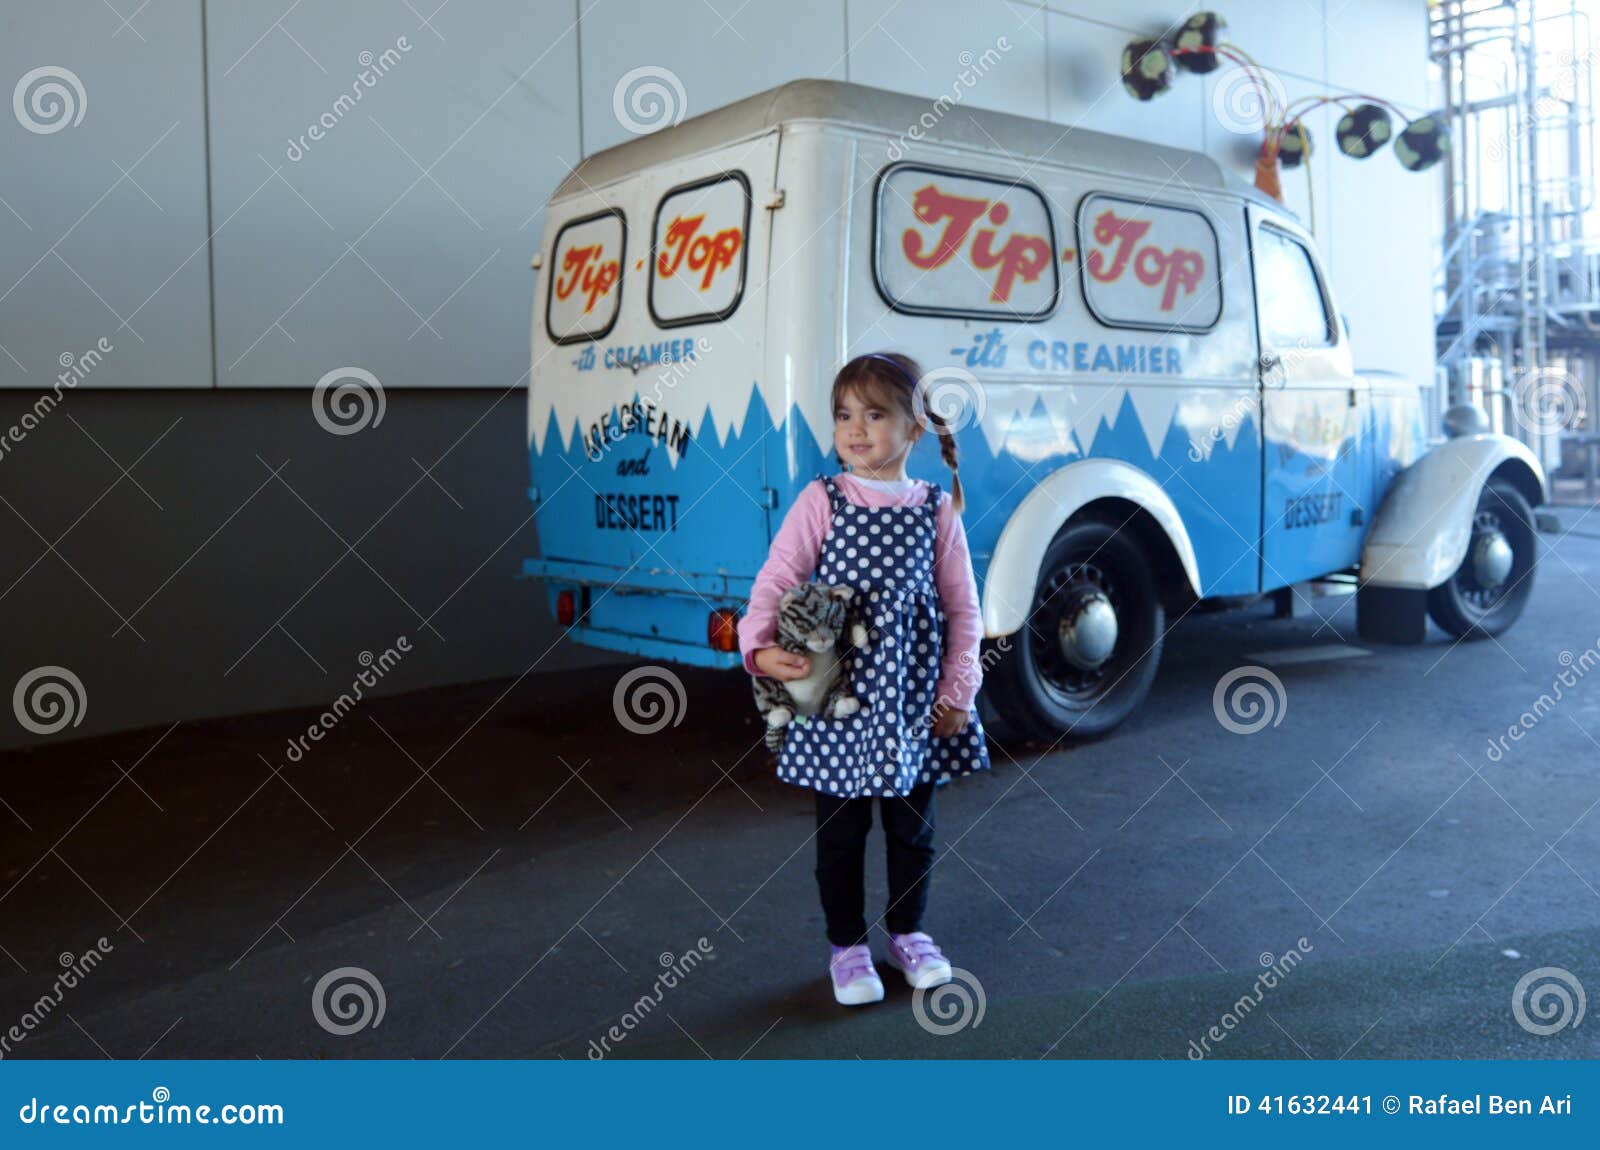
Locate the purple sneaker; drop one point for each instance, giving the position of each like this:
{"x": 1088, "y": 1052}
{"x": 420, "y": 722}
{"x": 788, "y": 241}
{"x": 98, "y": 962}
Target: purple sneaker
{"x": 855, "y": 979}
{"x": 917, "y": 957}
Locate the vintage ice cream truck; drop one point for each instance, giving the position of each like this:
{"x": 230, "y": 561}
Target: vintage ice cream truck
{"x": 1153, "y": 391}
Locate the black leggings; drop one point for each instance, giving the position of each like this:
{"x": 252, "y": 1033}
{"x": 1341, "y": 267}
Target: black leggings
{"x": 842, "y": 826}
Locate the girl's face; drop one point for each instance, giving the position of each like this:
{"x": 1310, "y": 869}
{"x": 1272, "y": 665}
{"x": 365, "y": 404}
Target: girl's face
{"x": 874, "y": 441}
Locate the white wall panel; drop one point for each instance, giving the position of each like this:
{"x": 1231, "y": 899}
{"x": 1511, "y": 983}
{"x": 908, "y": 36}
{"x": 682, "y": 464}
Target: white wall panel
{"x": 1086, "y": 88}
{"x": 1285, "y": 35}
{"x": 717, "y": 51}
{"x": 103, "y": 219}
{"x": 399, "y": 241}
{"x": 1383, "y": 262}
{"x": 924, "y": 47}
{"x": 1380, "y": 46}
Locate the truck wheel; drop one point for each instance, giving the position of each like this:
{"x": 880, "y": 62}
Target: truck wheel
{"x": 1490, "y": 588}
{"x": 1087, "y": 654}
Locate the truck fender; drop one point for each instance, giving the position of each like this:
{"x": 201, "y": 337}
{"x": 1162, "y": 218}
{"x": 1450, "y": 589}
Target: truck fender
{"x": 1421, "y": 531}
{"x": 1013, "y": 573}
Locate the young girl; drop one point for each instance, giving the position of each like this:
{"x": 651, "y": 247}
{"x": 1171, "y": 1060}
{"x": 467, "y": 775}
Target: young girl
{"x": 901, "y": 545}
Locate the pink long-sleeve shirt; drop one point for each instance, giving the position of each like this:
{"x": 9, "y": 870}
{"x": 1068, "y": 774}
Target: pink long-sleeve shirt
{"x": 798, "y": 544}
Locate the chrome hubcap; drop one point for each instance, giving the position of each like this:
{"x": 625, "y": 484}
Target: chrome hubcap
{"x": 1076, "y": 632}
{"x": 1491, "y": 559}
{"x": 1485, "y": 573}
{"x": 1087, "y": 631}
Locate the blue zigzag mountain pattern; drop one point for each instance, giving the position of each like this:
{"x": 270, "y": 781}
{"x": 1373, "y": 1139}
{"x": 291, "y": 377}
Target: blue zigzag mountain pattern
{"x": 718, "y": 484}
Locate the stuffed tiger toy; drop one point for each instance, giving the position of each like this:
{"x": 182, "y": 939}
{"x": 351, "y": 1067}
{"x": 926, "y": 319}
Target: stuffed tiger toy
{"x": 816, "y": 620}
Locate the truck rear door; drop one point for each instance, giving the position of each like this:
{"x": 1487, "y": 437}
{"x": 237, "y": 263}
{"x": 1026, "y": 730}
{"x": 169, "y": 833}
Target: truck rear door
{"x": 647, "y": 345}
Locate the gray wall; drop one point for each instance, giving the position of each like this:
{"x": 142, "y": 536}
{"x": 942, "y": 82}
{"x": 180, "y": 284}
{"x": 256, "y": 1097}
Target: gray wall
{"x": 151, "y": 548}
{"x": 186, "y": 555}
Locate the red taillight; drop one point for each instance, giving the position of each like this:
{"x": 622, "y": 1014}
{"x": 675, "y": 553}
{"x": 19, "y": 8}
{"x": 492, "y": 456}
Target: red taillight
{"x": 566, "y": 608}
{"x": 722, "y": 629}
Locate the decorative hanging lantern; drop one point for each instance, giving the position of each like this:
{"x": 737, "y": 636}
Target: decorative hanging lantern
{"x": 1194, "y": 47}
{"x": 1294, "y": 145}
{"x": 1149, "y": 67}
{"x": 1424, "y": 142}
{"x": 1363, "y": 130}
{"x": 1146, "y": 69}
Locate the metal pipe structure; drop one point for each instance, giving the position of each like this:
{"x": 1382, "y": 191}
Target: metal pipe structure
{"x": 1519, "y": 282}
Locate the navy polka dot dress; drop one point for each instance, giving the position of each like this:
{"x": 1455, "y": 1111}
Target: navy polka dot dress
{"x": 887, "y": 747}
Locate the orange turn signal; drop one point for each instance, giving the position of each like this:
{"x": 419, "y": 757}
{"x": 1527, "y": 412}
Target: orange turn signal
{"x": 722, "y": 629}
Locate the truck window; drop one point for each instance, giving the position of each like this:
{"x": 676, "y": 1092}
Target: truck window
{"x": 586, "y": 277}
{"x": 1150, "y": 266}
{"x": 698, "y": 251}
{"x": 1288, "y": 293}
{"x": 959, "y": 244}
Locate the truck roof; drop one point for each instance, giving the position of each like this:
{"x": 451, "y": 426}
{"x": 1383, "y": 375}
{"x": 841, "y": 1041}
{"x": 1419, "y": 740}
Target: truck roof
{"x": 894, "y": 113}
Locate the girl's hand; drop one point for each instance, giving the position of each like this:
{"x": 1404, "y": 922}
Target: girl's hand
{"x": 952, "y": 722}
{"x": 781, "y": 664}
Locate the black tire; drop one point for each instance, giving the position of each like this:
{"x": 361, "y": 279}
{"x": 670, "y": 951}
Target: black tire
{"x": 1461, "y": 605}
{"x": 1036, "y": 692}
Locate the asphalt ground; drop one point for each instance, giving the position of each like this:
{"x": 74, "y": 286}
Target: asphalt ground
{"x": 517, "y": 870}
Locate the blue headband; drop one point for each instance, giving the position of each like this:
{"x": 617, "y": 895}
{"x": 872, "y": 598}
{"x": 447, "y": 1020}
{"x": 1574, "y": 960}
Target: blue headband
{"x": 899, "y": 368}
